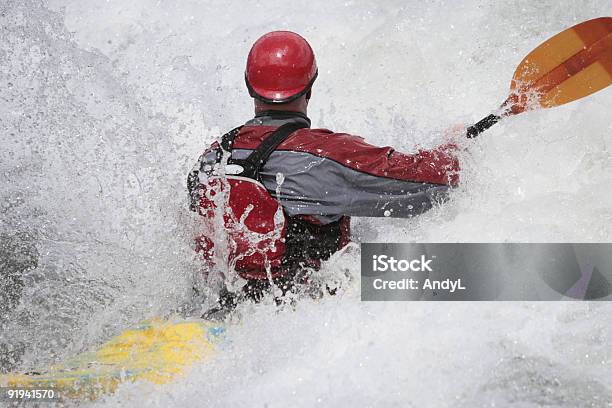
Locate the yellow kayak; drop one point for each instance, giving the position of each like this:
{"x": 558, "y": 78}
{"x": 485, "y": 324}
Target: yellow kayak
{"x": 155, "y": 351}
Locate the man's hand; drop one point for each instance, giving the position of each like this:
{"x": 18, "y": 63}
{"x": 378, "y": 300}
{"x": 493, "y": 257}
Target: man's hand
{"x": 455, "y": 132}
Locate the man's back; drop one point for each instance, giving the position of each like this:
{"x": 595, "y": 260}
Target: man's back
{"x": 321, "y": 178}
{"x": 327, "y": 175}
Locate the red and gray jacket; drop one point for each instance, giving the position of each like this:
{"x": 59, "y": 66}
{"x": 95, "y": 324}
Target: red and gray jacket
{"x": 321, "y": 178}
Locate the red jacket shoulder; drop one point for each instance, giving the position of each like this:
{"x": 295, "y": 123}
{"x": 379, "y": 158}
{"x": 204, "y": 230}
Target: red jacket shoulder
{"x": 438, "y": 166}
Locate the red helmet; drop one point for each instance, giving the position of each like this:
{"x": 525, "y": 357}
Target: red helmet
{"x": 281, "y": 67}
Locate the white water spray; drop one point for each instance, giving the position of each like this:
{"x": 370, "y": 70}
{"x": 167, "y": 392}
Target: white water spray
{"x": 106, "y": 105}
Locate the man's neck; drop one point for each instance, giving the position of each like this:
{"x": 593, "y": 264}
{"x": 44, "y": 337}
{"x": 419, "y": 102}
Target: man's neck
{"x": 280, "y": 113}
{"x": 299, "y": 106}
{"x": 278, "y": 118}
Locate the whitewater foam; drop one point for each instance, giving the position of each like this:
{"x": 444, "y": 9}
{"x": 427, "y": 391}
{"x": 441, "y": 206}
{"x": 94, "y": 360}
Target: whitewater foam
{"x": 106, "y": 105}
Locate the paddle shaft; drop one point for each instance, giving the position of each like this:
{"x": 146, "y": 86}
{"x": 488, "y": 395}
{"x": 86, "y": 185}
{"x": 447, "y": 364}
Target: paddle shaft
{"x": 481, "y": 126}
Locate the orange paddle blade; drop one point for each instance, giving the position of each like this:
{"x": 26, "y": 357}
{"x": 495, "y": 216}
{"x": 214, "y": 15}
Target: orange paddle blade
{"x": 571, "y": 65}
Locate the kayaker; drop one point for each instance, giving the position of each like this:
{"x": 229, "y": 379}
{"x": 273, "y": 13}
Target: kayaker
{"x": 319, "y": 177}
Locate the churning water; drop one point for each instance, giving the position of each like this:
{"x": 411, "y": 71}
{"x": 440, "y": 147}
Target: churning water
{"x": 105, "y": 105}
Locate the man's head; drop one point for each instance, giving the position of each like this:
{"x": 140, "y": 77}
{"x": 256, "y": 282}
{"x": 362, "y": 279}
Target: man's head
{"x": 280, "y": 71}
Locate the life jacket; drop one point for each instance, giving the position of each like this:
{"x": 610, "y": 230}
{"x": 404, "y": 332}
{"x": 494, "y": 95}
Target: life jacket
{"x": 262, "y": 241}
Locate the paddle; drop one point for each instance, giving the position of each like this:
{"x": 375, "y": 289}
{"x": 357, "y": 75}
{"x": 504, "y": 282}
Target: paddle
{"x": 571, "y": 65}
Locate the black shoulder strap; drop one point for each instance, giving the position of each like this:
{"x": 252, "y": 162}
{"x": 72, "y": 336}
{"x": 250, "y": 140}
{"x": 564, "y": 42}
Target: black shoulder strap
{"x": 255, "y": 161}
{"x": 227, "y": 140}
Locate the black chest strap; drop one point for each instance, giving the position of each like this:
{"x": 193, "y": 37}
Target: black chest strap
{"x": 257, "y": 159}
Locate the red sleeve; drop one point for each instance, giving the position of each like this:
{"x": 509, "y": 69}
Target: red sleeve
{"x": 436, "y": 166}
